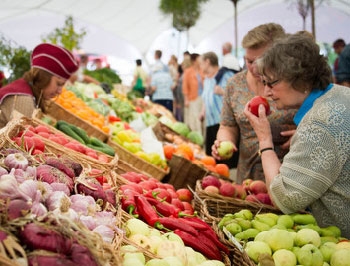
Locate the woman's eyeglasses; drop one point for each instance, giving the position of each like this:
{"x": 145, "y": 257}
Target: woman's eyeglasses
{"x": 270, "y": 84}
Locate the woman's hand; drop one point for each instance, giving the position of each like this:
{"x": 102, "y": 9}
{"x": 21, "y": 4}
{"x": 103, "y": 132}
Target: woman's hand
{"x": 214, "y": 150}
{"x": 287, "y": 133}
{"x": 260, "y": 125}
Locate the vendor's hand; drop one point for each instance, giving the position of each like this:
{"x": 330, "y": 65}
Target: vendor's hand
{"x": 260, "y": 125}
{"x": 214, "y": 150}
{"x": 218, "y": 90}
{"x": 287, "y": 133}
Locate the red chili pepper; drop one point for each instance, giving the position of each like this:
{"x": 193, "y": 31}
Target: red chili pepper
{"x": 210, "y": 233}
{"x": 128, "y": 202}
{"x": 174, "y": 223}
{"x": 164, "y": 208}
{"x": 198, "y": 226}
{"x": 113, "y": 118}
{"x": 147, "y": 212}
{"x": 193, "y": 242}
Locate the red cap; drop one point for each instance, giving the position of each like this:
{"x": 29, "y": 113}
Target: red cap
{"x": 54, "y": 59}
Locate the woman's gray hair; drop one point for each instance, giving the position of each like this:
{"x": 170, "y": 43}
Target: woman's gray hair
{"x": 296, "y": 59}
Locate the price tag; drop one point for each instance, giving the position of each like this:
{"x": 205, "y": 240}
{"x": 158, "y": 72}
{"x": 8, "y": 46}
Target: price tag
{"x": 233, "y": 239}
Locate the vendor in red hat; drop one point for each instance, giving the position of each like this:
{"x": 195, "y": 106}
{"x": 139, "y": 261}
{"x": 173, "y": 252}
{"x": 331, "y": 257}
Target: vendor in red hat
{"x": 51, "y": 67}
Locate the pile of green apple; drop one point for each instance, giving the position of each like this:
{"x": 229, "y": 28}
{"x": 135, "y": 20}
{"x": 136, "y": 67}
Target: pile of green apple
{"x": 288, "y": 240}
{"x": 168, "y": 248}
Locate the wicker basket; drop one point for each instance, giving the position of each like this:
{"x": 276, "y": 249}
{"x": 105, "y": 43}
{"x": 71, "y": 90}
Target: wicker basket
{"x": 138, "y": 162}
{"x": 160, "y": 130}
{"x": 184, "y": 173}
{"x": 59, "y": 113}
{"x": 17, "y": 125}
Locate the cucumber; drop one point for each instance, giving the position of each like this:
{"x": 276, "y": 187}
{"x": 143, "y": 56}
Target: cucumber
{"x": 81, "y": 132}
{"x": 59, "y": 123}
{"x": 105, "y": 149}
{"x": 96, "y": 142}
{"x": 66, "y": 129}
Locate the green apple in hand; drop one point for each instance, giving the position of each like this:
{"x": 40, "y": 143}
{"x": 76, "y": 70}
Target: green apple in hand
{"x": 225, "y": 149}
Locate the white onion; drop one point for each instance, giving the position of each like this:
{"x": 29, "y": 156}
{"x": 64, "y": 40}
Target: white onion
{"x": 70, "y": 213}
{"x": 38, "y": 209}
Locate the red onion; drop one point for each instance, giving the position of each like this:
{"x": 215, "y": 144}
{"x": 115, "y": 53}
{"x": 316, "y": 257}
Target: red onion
{"x": 16, "y": 160}
{"x": 51, "y": 260}
{"x": 36, "y": 236}
{"x": 82, "y": 256}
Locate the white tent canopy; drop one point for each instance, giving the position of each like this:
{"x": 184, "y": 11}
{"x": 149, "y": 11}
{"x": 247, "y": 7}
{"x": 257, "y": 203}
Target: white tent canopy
{"x": 131, "y": 29}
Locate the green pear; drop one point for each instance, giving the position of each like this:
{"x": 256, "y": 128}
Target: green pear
{"x": 279, "y": 226}
{"x": 331, "y": 230}
{"x": 270, "y": 215}
{"x": 265, "y": 219}
{"x": 310, "y": 255}
{"x": 245, "y": 214}
{"x": 285, "y": 220}
{"x": 309, "y": 226}
{"x": 245, "y": 224}
{"x": 226, "y": 220}
{"x": 255, "y": 248}
{"x": 307, "y": 236}
{"x": 247, "y": 234}
{"x": 325, "y": 239}
{"x": 233, "y": 227}
{"x": 278, "y": 239}
{"x": 284, "y": 257}
{"x": 260, "y": 225}
{"x": 327, "y": 249}
{"x": 304, "y": 219}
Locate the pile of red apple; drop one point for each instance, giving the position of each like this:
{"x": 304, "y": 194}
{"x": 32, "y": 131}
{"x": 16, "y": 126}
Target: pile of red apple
{"x": 249, "y": 190}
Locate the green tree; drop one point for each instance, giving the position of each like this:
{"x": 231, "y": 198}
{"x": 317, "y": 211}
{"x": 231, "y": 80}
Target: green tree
{"x": 185, "y": 12}
{"x": 66, "y": 36}
{"x": 15, "y": 58}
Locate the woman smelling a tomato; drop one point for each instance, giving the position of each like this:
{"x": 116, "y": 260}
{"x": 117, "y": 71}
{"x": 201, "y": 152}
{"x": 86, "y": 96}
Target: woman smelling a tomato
{"x": 315, "y": 173}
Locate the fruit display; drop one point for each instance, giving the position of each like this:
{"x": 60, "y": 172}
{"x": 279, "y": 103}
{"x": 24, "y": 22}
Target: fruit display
{"x": 293, "y": 239}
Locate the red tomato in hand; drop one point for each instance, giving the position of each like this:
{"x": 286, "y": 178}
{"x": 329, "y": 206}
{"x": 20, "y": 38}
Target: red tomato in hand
{"x": 254, "y": 105}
